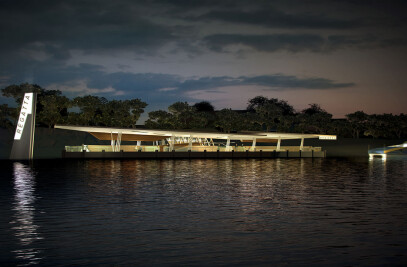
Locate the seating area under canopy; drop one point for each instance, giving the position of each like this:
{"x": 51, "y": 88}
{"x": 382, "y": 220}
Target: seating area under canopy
{"x": 189, "y": 140}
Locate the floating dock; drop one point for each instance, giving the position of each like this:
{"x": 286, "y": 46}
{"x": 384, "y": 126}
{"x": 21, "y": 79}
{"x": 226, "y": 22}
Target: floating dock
{"x": 194, "y": 155}
{"x": 184, "y": 151}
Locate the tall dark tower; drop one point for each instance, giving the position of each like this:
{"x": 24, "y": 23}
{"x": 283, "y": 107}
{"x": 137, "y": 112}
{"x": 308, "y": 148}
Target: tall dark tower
{"x": 23, "y": 145}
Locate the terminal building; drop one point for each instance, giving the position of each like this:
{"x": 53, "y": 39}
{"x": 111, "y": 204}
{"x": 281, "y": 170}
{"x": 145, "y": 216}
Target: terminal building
{"x": 190, "y": 144}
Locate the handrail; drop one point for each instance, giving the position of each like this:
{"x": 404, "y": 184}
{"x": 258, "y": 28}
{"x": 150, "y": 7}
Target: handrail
{"x": 166, "y": 148}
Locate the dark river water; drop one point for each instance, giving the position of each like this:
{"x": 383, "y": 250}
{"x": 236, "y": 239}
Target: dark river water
{"x": 267, "y": 212}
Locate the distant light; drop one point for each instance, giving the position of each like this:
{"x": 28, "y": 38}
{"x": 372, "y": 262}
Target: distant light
{"x": 327, "y": 137}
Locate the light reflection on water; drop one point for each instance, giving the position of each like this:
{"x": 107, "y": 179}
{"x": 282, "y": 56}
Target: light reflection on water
{"x": 211, "y": 212}
{"x": 23, "y": 221}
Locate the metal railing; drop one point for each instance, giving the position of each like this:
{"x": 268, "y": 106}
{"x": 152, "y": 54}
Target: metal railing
{"x": 132, "y": 148}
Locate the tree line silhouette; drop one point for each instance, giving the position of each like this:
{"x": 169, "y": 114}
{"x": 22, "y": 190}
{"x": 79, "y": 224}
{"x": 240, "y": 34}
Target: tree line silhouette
{"x": 261, "y": 114}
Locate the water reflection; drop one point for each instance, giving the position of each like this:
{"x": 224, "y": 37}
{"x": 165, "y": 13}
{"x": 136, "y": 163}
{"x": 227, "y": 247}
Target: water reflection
{"x": 271, "y": 212}
{"x": 26, "y": 231}
{"x": 377, "y": 164}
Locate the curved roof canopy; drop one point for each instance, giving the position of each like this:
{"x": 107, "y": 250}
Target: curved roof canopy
{"x": 131, "y": 134}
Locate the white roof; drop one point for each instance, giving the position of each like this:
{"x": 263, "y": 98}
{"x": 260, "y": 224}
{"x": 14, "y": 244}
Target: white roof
{"x": 186, "y": 133}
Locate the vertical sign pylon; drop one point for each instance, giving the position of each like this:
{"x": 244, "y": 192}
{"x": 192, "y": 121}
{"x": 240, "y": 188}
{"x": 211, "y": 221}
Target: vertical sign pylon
{"x": 23, "y": 145}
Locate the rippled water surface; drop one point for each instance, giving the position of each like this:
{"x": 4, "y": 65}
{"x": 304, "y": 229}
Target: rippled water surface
{"x": 280, "y": 212}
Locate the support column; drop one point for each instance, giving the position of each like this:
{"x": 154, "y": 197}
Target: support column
{"x": 172, "y": 143}
{"x": 118, "y": 141}
{"x": 228, "y": 144}
{"x": 278, "y": 144}
{"x": 138, "y": 145}
{"x": 112, "y": 142}
{"x": 190, "y": 143}
{"x": 253, "y": 148}
{"x": 302, "y": 144}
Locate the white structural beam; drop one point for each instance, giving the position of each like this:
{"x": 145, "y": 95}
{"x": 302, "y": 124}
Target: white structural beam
{"x": 279, "y": 144}
{"x": 118, "y": 141}
{"x": 172, "y": 143}
{"x": 112, "y": 142}
{"x": 228, "y": 144}
{"x": 190, "y": 143}
{"x": 115, "y": 144}
{"x": 302, "y": 144}
{"x": 138, "y": 145}
{"x": 253, "y": 148}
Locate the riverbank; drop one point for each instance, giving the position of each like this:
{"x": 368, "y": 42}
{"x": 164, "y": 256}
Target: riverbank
{"x": 49, "y": 143}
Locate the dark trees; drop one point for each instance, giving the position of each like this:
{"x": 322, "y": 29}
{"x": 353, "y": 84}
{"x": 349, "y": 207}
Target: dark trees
{"x": 204, "y": 106}
{"x": 180, "y": 115}
{"x": 229, "y": 120}
{"x": 314, "y": 120}
{"x": 271, "y": 113}
{"x": 48, "y": 111}
{"x": 52, "y": 108}
{"x": 262, "y": 113}
{"x": 98, "y": 111}
{"x": 160, "y": 119}
{"x": 17, "y": 91}
{"x": 358, "y": 122}
{"x": 6, "y": 114}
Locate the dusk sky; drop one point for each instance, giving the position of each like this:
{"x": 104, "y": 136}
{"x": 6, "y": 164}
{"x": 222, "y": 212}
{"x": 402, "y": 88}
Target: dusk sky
{"x": 344, "y": 55}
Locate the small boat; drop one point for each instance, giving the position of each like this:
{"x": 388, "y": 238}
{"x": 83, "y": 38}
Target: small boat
{"x": 384, "y": 152}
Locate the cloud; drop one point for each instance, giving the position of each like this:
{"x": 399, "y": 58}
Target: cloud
{"x": 293, "y": 82}
{"x": 163, "y": 84}
{"x": 207, "y": 83}
{"x": 157, "y": 89}
{"x": 80, "y": 88}
{"x": 269, "y": 82}
{"x": 166, "y": 89}
{"x": 273, "y": 18}
{"x": 52, "y": 29}
{"x": 82, "y": 25}
{"x": 154, "y": 85}
{"x": 268, "y": 43}
{"x": 141, "y": 82}
{"x": 363, "y": 42}
{"x": 298, "y": 42}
